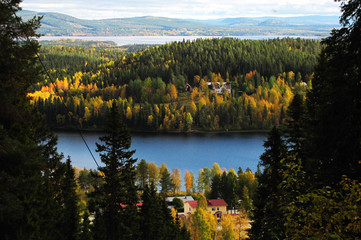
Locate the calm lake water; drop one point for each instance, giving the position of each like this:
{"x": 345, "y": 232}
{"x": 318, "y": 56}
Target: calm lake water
{"x": 186, "y": 152}
{"x": 130, "y": 40}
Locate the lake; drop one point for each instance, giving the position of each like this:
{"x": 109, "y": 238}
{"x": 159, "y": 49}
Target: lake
{"x": 130, "y": 40}
{"x": 183, "y": 151}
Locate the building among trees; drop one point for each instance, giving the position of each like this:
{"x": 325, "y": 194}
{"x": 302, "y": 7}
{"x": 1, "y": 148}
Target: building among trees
{"x": 218, "y": 207}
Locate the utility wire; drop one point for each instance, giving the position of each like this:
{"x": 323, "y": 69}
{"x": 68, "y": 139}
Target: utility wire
{"x": 51, "y": 79}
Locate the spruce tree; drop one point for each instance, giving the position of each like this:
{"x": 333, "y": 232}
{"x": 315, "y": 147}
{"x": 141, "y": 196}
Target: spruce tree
{"x": 156, "y": 220}
{"x": 216, "y": 187}
{"x": 142, "y": 174}
{"x": 31, "y": 203}
{"x": 268, "y": 218}
{"x": 165, "y": 182}
{"x": 151, "y": 215}
{"x": 119, "y": 179}
{"x": 71, "y": 219}
{"x": 324, "y": 207}
{"x": 295, "y": 126}
{"x": 334, "y": 102}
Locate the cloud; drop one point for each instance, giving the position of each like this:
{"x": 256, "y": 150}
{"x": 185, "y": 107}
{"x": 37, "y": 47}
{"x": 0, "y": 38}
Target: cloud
{"x": 198, "y": 9}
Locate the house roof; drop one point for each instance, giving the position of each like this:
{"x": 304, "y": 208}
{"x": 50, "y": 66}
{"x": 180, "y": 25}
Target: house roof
{"x": 139, "y": 204}
{"x": 193, "y": 204}
{"x": 183, "y": 198}
{"x": 210, "y": 203}
{"x": 216, "y": 202}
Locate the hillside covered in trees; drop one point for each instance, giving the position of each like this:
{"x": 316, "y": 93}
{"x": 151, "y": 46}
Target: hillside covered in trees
{"x": 57, "y": 24}
{"x": 170, "y": 87}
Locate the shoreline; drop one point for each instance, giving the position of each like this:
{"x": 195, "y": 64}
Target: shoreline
{"x": 191, "y": 132}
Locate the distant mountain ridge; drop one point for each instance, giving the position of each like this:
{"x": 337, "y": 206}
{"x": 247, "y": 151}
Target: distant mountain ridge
{"x": 300, "y": 21}
{"x": 57, "y": 24}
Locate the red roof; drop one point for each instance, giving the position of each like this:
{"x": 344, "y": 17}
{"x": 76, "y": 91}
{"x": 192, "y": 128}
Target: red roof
{"x": 210, "y": 203}
{"x": 193, "y": 204}
{"x": 216, "y": 202}
{"x": 139, "y": 204}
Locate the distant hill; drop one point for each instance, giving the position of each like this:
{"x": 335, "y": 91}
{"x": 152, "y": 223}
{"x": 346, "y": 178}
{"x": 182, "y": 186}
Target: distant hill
{"x": 313, "y": 20}
{"x": 56, "y": 24}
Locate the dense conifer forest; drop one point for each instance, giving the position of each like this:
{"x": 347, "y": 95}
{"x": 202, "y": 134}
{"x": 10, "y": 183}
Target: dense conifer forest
{"x": 169, "y": 87}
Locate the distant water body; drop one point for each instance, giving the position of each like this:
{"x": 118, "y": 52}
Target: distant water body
{"x": 186, "y": 151}
{"x": 131, "y": 40}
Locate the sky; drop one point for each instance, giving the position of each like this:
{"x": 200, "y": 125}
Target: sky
{"x": 193, "y": 9}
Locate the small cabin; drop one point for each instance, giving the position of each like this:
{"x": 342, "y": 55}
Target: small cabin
{"x": 188, "y": 88}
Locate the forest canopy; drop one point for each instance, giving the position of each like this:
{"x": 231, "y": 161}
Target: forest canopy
{"x": 172, "y": 87}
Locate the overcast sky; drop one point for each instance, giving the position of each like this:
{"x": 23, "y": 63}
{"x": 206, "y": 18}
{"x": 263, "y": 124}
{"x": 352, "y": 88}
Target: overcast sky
{"x": 196, "y": 9}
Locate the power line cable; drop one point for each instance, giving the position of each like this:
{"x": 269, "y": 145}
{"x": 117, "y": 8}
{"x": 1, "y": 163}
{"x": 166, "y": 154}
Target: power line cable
{"x": 51, "y": 79}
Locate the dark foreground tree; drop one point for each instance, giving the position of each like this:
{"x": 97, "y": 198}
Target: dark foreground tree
{"x": 295, "y": 124}
{"x": 268, "y": 218}
{"x": 335, "y": 102}
{"x": 85, "y": 233}
{"x": 156, "y": 220}
{"x": 33, "y": 197}
{"x": 117, "y": 197}
{"x": 321, "y": 198}
{"x": 71, "y": 217}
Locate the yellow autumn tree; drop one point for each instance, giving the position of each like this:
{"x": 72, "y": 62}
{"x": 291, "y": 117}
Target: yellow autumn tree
{"x": 176, "y": 180}
{"x": 202, "y": 102}
{"x": 150, "y": 120}
{"x": 203, "y": 85}
{"x": 227, "y": 231}
{"x": 231, "y": 170}
{"x": 129, "y": 114}
{"x": 242, "y": 225}
{"x": 173, "y": 91}
{"x": 188, "y": 181}
{"x": 153, "y": 173}
{"x": 202, "y": 224}
{"x": 192, "y": 108}
{"x": 216, "y": 169}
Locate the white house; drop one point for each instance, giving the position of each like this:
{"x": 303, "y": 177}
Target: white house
{"x": 220, "y": 88}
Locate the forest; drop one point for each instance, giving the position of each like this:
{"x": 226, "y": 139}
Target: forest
{"x": 170, "y": 88}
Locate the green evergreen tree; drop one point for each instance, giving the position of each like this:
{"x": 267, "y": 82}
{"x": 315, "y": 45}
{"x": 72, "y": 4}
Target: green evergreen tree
{"x": 98, "y": 228}
{"x": 119, "y": 179}
{"x": 295, "y": 127}
{"x": 216, "y": 187}
{"x": 150, "y": 214}
{"x": 268, "y": 218}
{"x": 156, "y": 219}
{"x": 165, "y": 182}
{"x": 142, "y": 173}
{"x": 334, "y": 102}
{"x": 331, "y": 176}
{"x": 32, "y": 204}
{"x": 70, "y": 225}
{"x": 229, "y": 189}
{"x": 130, "y": 213}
